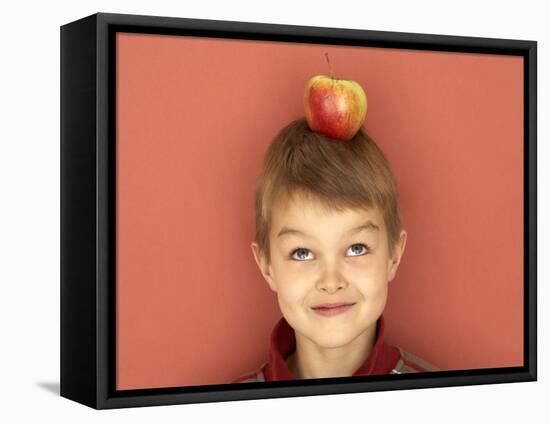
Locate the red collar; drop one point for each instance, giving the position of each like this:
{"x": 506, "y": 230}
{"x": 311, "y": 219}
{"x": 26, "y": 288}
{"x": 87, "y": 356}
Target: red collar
{"x": 381, "y": 360}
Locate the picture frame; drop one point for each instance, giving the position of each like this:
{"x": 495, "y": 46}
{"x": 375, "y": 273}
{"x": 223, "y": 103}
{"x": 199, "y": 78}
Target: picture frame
{"x": 89, "y": 160}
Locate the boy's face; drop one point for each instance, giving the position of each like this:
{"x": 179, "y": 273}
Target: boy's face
{"x": 320, "y": 256}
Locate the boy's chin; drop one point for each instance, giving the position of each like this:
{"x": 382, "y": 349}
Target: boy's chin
{"x": 336, "y": 339}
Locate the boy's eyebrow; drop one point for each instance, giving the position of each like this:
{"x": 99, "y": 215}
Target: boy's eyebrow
{"x": 368, "y": 226}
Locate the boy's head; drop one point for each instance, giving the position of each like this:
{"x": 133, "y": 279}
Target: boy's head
{"x": 327, "y": 230}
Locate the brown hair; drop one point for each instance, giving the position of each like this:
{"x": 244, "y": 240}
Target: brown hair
{"x": 339, "y": 174}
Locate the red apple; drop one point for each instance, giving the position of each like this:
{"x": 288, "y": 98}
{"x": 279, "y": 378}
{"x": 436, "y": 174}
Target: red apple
{"x": 334, "y": 107}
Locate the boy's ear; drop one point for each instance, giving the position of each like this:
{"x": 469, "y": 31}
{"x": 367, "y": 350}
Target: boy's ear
{"x": 397, "y": 255}
{"x": 263, "y": 264}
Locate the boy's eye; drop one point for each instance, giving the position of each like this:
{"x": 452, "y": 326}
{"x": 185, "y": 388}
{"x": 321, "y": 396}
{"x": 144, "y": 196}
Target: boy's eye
{"x": 359, "y": 249}
{"x": 301, "y": 254}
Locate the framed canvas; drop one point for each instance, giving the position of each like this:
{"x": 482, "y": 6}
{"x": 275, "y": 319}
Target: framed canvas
{"x": 168, "y": 126}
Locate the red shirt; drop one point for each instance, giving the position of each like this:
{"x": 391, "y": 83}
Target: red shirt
{"x": 383, "y": 358}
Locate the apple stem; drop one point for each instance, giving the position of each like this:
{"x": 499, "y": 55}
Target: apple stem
{"x": 329, "y": 66}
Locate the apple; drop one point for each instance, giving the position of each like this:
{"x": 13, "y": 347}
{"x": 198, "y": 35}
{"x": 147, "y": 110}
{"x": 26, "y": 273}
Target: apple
{"x": 334, "y": 107}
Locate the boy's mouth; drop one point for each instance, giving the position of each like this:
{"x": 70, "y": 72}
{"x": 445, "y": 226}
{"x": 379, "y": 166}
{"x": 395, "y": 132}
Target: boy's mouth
{"x": 331, "y": 309}
{"x": 331, "y": 305}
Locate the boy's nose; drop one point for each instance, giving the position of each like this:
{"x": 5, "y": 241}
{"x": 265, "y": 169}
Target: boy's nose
{"x": 331, "y": 279}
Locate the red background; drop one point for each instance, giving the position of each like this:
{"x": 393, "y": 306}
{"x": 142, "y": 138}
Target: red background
{"x": 194, "y": 118}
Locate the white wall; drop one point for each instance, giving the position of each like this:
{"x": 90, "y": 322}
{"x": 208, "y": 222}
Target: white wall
{"x": 29, "y": 209}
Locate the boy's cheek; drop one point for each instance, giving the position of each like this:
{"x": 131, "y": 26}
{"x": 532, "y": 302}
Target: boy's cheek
{"x": 377, "y": 298}
{"x": 285, "y": 305}
{"x": 291, "y": 293}
{"x": 374, "y": 287}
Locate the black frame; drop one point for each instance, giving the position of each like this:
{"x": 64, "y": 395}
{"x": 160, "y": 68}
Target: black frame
{"x": 88, "y": 209}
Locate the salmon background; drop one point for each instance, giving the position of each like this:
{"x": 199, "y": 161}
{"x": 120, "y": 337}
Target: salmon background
{"x": 194, "y": 118}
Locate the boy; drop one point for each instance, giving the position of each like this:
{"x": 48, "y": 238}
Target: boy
{"x": 328, "y": 241}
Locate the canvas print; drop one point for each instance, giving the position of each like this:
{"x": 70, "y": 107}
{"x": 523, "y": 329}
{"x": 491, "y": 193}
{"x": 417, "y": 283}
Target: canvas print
{"x": 289, "y": 211}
